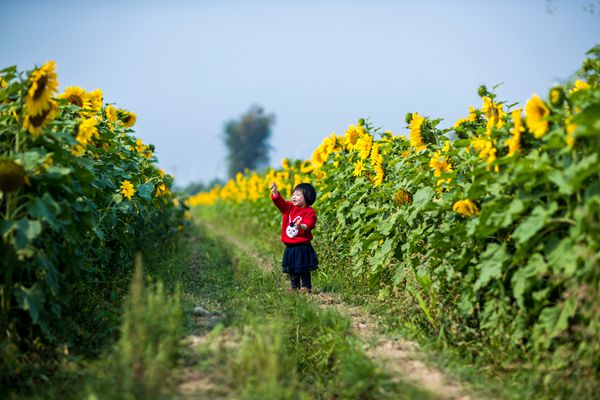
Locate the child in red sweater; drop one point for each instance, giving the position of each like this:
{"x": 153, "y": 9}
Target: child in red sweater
{"x": 299, "y": 219}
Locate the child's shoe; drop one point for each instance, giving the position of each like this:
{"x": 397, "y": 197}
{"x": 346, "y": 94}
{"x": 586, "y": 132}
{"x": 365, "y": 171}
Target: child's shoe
{"x": 305, "y": 290}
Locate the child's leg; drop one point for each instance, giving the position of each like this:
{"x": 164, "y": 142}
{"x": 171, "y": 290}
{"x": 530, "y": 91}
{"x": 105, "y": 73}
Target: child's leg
{"x": 295, "y": 280}
{"x": 306, "y": 280}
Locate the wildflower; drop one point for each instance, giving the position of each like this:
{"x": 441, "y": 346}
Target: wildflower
{"x": 536, "y": 113}
{"x": 416, "y": 140}
{"x": 76, "y": 95}
{"x": 127, "y": 189}
{"x": 466, "y": 208}
{"x": 358, "y": 168}
{"x": 44, "y": 84}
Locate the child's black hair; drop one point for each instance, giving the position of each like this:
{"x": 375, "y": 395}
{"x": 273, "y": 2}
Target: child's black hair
{"x": 308, "y": 191}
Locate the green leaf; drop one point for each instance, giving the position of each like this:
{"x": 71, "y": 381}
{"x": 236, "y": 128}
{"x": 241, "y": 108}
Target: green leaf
{"x": 491, "y": 264}
{"x": 26, "y": 232}
{"x": 31, "y": 300}
{"x": 570, "y": 180}
{"x": 560, "y": 255}
{"x": 145, "y": 191}
{"x": 534, "y": 222}
{"x": 46, "y": 209}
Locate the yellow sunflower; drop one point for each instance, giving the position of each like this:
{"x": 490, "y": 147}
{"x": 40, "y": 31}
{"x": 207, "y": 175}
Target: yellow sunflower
{"x": 111, "y": 113}
{"x": 76, "y": 95}
{"x": 466, "y": 208}
{"x": 35, "y": 123}
{"x": 579, "y": 85}
{"x": 363, "y": 145}
{"x": 86, "y": 131}
{"x": 161, "y": 190}
{"x": 536, "y": 114}
{"x": 128, "y": 118}
{"x": 96, "y": 100}
{"x": 43, "y": 86}
{"x": 402, "y": 197}
{"x": 359, "y": 167}
{"x": 127, "y": 189}
{"x": 3, "y": 83}
{"x": 514, "y": 142}
{"x": 416, "y": 140}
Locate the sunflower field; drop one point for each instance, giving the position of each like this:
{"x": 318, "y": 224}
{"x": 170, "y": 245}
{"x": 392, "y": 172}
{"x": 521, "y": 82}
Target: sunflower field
{"x": 487, "y": 232}
{"x": 79, "y": 194}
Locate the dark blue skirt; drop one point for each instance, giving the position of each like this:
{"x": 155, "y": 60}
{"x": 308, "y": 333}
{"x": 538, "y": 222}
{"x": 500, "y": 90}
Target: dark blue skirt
{"x": 299, "y": 258}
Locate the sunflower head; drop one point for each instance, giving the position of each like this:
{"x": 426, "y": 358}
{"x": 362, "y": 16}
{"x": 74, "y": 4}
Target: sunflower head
{"x": 77, "y": 96}
{"x": 466, "y": 208}
{"x": 34, "y": 123}
{"x": 536, "y": 113}
{"x": 12, "y": 176}
{"x": 128, "y": 118}
{"x": 43, "y": 86}
{"x": 557, "y": 96}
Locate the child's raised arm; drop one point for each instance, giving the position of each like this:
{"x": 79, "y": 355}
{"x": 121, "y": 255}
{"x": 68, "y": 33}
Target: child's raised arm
{"x": 273, "y": 188}
{"x": 279, "y": 202}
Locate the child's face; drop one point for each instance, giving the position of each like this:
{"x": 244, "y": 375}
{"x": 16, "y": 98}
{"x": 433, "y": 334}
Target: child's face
{"x": 298, "y": 199}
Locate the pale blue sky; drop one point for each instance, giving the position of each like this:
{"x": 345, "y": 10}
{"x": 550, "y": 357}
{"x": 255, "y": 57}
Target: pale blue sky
{"x": 186, "y": 67}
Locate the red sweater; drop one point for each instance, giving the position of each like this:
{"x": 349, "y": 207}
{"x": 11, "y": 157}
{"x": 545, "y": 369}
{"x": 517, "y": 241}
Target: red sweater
{"x": 298, "y": 215}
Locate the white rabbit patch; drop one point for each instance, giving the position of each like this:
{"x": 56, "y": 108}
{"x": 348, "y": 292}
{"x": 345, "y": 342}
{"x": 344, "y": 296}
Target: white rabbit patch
{"x": 292, "y": 229}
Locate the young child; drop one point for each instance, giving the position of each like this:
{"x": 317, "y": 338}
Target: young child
{"x": 299, "y": 219}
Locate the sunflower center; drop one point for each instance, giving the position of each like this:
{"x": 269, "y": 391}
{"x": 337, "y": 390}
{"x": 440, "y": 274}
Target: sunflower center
{"x": 41, "y": 85}
{"x": 77, "y": 100}
{"x": 38, "y": 120}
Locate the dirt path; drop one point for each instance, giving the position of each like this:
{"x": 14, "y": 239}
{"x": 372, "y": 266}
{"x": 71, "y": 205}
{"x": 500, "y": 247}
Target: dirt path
{"x": 402, "y": 359}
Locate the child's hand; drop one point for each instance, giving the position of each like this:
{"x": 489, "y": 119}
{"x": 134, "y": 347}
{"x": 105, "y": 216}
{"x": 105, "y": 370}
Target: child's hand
{"x": 273, "y": 188}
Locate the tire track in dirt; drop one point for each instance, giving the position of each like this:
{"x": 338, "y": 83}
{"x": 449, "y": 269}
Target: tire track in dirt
{"x": 401, "y": 358}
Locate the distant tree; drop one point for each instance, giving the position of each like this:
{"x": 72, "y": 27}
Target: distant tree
{"x": 246, "y": 140}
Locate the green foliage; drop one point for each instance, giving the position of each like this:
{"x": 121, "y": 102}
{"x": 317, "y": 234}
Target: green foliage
{"x": 68, "y": 229}
{"x": 140, "y": 365}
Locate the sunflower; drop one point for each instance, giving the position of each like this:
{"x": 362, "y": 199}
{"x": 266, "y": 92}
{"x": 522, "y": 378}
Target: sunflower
{"x": 359, "y": 167}
{"x": 111, "y": 113}
{"x": 351, "y": 136}
{"x": 318, "y": 158}
{"x": 43, "y": 86}
{"x": 3, "y": 83}
{"x": 485, "y": 148}
{"x": 78, "y": 150}
{"x": 466, "y": 208}
{"x": 376, "y": 158}
{"x": 76, "y": 95}
{"x": 306, "y": 167}
{"x": 579, "y": 85}
{"x": 35, "y": 123}
{"x": 570, "y": 128}
{"x": 536, "y": 113}
{"x": 161, "y": 190}
{"x": 363, "y": 145}
{"x": 402, "y": 197}
{"x": 86, "y": 131}
{"x": 128, "y": 118}
{"x": 514, "y": 142}
{"x": 96, "y": 100}
{"x": 12, "y": 176}
{"x": 493, "y": 112}
{"x": 416, "y": 140}
{"x": 379, "y": 175}
{"x": 285, "y": 164}
{"x": 127, "y": 189}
